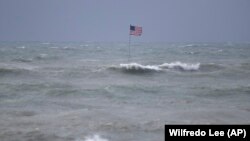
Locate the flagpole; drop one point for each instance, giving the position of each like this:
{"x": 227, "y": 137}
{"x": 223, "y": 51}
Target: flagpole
{"x": 129, "y": 48}
{"x": 136, "y": 31}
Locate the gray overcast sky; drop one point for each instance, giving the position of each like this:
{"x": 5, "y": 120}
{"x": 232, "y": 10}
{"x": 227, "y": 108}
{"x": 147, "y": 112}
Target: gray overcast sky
{"x": 108, "y": 20}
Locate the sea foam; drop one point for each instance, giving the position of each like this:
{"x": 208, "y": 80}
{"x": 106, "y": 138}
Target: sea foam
{"x": 135, "y": 67}
{"x": 181, "y": 66}
{"x": 139, "y": 67}
{"x": 95, "y": 138}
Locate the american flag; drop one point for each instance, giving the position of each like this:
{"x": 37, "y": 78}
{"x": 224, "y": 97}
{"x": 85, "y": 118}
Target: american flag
{"x": 135, "y": 30}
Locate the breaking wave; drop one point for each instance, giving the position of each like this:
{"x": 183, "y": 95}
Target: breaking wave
{"x": 139, "y": 68}
{"x": 135, "y": 67}
{"x": 181, "y": 66}
{"x": 95, "y": 138}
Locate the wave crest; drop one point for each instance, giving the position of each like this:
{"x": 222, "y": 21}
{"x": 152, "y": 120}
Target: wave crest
{"x": 138, "y": 68}
{"x": 95, "y": 138}
{"x": 181, "y": 66}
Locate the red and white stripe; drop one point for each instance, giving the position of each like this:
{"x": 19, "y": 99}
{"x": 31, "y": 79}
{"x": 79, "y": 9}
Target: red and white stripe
{"x": 137, "y": 31}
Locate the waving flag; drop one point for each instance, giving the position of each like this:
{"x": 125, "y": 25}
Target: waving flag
{"x": 135, "y": 30}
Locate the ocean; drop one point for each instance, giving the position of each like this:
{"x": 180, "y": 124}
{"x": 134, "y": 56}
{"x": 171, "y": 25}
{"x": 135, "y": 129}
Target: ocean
{"x": 93, "y": 91}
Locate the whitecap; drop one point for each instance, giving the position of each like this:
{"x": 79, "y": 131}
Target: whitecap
{"x": 22, "y": 47}
{"x": 181, "y": 66}
{"x": 95, "y": 138}
{"x": 54, "y": 47}
{"x": 138, "y": 68}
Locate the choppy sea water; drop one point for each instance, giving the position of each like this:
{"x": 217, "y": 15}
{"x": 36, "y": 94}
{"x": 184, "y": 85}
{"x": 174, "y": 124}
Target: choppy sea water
{"x": 92, "y": 91}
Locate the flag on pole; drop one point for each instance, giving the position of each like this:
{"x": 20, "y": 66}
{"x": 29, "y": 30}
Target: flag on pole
{"x": 135, "y": 30}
